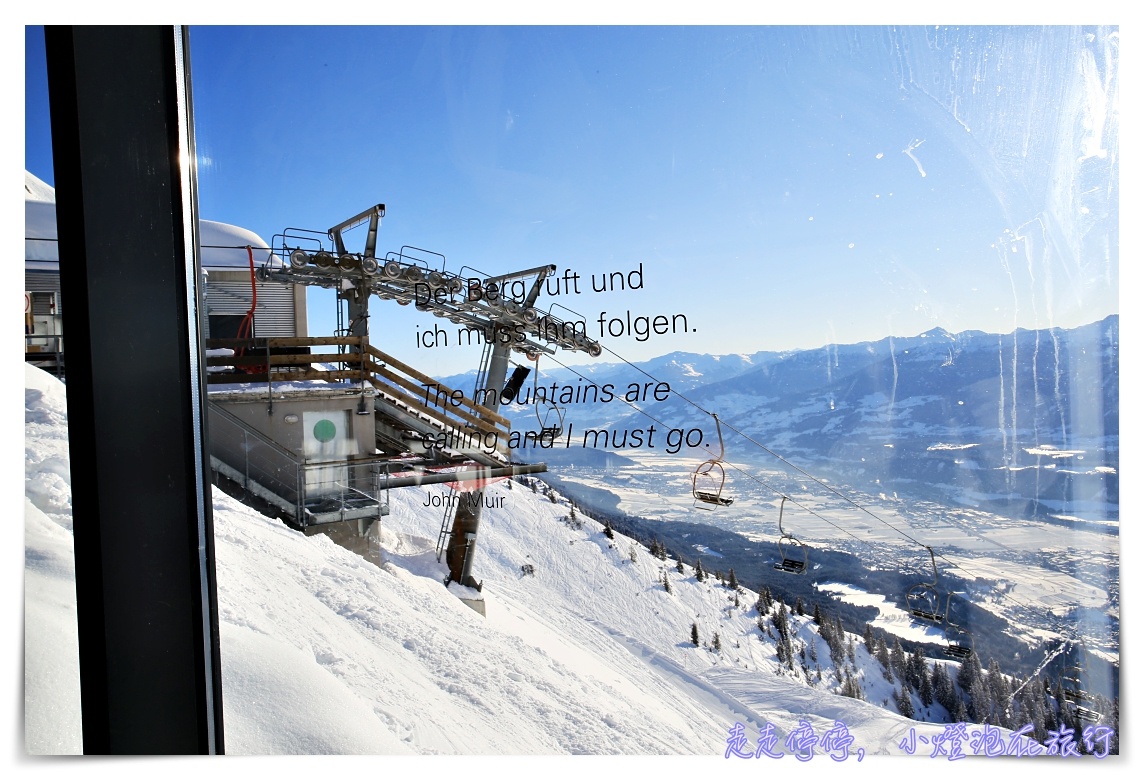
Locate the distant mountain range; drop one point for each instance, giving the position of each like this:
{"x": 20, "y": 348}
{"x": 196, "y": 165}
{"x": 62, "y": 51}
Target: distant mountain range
{"x": 1023, "y": 423}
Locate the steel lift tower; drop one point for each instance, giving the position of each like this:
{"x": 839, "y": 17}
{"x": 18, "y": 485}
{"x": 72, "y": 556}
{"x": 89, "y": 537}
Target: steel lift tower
{"x": 503, "y": 309}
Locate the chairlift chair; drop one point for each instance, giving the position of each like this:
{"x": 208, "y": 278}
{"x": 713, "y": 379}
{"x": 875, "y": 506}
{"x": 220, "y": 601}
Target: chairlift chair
{"x": 1076, "y": 697}
{"x": 551, "y": 419}
{"x": 787, "y": 541}
{"x": 1072, "y": 688}
{"x": 1087, "y": 715}
{"x": 549, "y": 415}
{"x": 959, "y": 642}
{"x": 923, "y": 600}
{"x": 708, "y": 479}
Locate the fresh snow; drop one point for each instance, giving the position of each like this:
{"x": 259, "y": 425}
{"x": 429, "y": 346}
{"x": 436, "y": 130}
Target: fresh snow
{"x": 324, "y": 652}
{"x": 891, "y": 618}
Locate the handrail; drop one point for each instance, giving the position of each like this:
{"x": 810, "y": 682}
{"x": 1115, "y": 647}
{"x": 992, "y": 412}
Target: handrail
{"x": 489, "y": 414}
{"x": 414, "y": 404}
{"x": 416, "y": 407}
{"x": 390, "y": 376}
{"x": 285, "y": 376}
{"x": 254, "y": 432}
{"x": 262, "y": 342}
{"x": 416, "y": 401}
{"x": 285, "y": 360}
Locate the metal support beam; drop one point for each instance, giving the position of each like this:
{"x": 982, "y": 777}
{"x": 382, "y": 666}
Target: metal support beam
{"x": 467, "y": 520}
{"x": 122, "y": 141}
{"x": 439, "y": 477}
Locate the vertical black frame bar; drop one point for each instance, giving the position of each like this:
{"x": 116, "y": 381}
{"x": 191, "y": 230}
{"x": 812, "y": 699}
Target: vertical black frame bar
{"x": 126, "y": 208}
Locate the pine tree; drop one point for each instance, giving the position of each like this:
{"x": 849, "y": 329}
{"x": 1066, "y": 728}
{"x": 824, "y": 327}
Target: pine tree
{"x": 666, "y": 583}
{"x": 898, "y": 659}
{"x": 700, "y": 575}
{"x": 783, "y": 646}
{"x": 632, "y": 553}
{"x": 716, "y": 645}
{"x": 608, "y": 532}
{"x": 679, "y": 564}
{"x": 999, "y": 692}
{"x": 817, "y": 615}
{"x": 905, "y": 702}
{"x": 798, "y": 609}
{"x": 1033, "y": 702}
{"x": 851, "y": 687}
{"x": 779, "y": 620}
{"x": 969, "y": 673}
{"x": 732, "y": 581}
{"x": 925, "y": 689}
{"x": 695, "y": 634}
{"x": 943, "y": 690}
{"x": 826, "y": 630}
{"x": 884, "y": 660}
{"x": 978, "y": 701}
{"x": 916, "y": 669}
{"x": 834, "y": 641}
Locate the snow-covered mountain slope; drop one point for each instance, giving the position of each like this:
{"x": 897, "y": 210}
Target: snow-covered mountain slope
{"x": 1024, "y": 423}
{"x": 325, "y": 652}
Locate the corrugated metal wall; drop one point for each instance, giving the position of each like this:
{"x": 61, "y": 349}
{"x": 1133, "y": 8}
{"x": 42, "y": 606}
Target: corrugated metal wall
{"x": 41, "y": 284}
{"x": 229, "y": 293}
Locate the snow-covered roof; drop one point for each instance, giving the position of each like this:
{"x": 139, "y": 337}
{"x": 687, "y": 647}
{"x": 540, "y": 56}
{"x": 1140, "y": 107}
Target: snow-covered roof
{"x": 38, "y": 190}
{"x": 222, "y": 246}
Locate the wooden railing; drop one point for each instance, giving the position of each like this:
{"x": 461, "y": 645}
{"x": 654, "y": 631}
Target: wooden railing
{"x": 261, "y": 360}
{"x": 387, "y": 376}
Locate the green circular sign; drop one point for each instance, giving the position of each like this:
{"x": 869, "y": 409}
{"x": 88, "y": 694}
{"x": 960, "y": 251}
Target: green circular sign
{"x": 325, "y": 431}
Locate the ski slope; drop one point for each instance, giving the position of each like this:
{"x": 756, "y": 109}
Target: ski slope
{"x": 326, "y": 653}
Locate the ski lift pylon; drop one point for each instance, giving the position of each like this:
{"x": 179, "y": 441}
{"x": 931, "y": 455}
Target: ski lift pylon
{"x": 708, "y": 479}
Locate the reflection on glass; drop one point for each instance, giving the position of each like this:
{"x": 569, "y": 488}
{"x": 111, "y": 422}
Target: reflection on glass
{"x": 886, "y": 258}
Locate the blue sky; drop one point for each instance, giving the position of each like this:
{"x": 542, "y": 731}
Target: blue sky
{"x": 769, "y": 180}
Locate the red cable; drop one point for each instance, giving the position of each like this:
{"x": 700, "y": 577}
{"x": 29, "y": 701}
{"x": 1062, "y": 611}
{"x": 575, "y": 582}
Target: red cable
{"x": 247, "y": 324}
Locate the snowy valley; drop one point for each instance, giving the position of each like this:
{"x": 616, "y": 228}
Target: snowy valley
{"x": 583, "y": 649}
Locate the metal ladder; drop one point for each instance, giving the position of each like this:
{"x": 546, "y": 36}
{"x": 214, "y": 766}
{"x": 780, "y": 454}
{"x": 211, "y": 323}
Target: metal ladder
{"x": 447, "y": 523}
